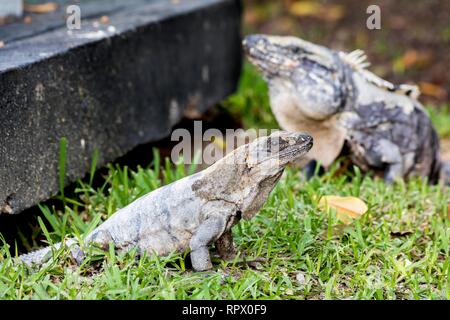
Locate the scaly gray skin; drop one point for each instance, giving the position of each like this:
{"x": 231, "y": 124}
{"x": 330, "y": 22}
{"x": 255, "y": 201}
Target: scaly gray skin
{"x": 333, "y": 97}
{"x": 197, "y": 210}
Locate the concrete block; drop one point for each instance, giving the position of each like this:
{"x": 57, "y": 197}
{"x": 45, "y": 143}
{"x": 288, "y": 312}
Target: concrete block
{"x": 112, "y": 85}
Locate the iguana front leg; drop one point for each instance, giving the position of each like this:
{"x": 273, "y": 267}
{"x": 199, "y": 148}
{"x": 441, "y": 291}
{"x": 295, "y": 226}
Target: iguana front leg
{"x": 393, "y": 172}
{"x": 385, "y": 153}
{"x": 225, "y": 246}
{"x": 393, "y": 158}
{"x": 210, "y": 230}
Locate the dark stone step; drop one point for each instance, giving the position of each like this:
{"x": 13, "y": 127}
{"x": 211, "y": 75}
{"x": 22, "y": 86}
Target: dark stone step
{"x": 107, "y": 86}
{"x": 10, "y": 9}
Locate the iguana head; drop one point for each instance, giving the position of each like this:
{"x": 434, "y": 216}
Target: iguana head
{"x": 313, "y": 75}
{"x": 266, "y": 159}
{"x": 246, "y": 175}
{"x": 267, "y": 156}
{"x": 316, "y": 78}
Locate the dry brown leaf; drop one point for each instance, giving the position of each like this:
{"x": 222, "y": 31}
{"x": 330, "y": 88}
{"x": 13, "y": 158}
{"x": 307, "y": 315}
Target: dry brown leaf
{"x": 104, "y": 19}
{"x": 361, "y": 39}
{"x": 347, "y": 208}
{"x": 417, "y": 58}
{"x": 398, "y": 22}
{"x": 432, "y": 90}
{"x": 413, "y": 58}
{"x": 334, "y": 13}
{"x": 40, "y": 8}
{"x": 445, "y": 149}
{"x": 448, "y": 211}
{"x": 317, "y": 10}
{"x": 27, "y": 19}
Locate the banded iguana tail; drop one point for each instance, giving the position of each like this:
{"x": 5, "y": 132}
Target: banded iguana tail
{"x": 333, "y": 96}
{"x": 197, "y": 210}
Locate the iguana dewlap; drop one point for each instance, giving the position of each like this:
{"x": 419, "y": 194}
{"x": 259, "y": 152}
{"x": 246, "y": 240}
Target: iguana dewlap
{"x": 333, "y": 97}
{"x": 194, "y": 212}
{"x": 329, "y": 138}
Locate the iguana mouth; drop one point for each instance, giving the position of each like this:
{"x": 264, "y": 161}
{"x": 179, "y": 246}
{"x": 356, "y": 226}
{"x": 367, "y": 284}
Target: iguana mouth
{"x": 267, "y": 57}
{"x": 293, "y": 148}
{"x": 294, "y": 153}
{"x": 284, "y": 148}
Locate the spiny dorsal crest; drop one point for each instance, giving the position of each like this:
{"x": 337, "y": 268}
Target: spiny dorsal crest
{"x": 357, "y": 59}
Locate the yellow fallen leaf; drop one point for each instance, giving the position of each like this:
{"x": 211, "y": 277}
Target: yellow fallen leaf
{"x": 305, "y": 8}
{"x": 219, "y": 142}
{"x": 104, "y": 19}
{"x": 317, "y": 10}
{"x": 40, "y": 8}
{"x": 347, "y": 208}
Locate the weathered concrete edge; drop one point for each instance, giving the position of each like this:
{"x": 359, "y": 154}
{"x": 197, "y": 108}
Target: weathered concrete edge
{"x": 110, "y": 82}
{"x": 25, "y": 50}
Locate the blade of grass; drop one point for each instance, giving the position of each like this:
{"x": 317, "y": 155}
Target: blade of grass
{"x": 62, "y": 165}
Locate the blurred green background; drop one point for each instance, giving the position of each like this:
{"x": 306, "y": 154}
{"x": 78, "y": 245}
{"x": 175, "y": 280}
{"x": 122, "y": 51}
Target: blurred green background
{"x": 412, "y": 45}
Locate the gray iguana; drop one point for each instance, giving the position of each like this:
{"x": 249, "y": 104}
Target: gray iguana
{"x": 200, "y": 209}
{"x": 332, "y": 96}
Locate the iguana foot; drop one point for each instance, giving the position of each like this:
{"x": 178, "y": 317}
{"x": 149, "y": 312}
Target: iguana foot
{"x": 393, "y": 173}
{"x": 208, "y": 231}
{"x": 200, "y": 259}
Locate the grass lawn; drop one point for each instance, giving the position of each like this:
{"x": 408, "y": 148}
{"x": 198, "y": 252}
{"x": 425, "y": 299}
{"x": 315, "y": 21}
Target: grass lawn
{"x": 398, "y": 250}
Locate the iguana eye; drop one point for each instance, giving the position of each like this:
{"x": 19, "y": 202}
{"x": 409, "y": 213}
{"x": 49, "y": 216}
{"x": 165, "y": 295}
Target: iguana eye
{"x": 295, "y": 50}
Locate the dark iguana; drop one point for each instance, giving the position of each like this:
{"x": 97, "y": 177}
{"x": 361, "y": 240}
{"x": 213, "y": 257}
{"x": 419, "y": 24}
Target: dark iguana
{"x": 333, "y": 97}
{"x": 195, "y": 211}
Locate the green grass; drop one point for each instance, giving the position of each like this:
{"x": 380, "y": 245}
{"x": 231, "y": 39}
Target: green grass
{"x": 251, "y": 102}
{"x": 398, "y": 250}
{"x": 441, "y": 120}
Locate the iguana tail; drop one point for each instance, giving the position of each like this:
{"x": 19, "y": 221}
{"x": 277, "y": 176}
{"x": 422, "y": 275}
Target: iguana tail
{"x": 41, "y": 256}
